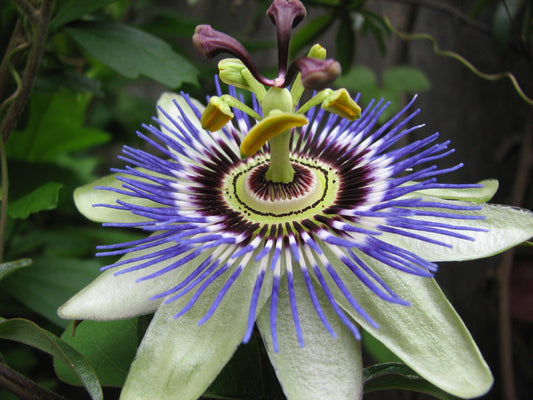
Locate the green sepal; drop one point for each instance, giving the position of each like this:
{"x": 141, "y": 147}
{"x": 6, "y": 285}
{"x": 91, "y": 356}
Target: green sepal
{"x": 428, "y": 335}
{"x": 85, "y": 198}
{"x": 112, "y": 296}
{"x": 475, "y": 195}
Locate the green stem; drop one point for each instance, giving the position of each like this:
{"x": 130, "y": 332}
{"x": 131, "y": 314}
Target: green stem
{"x": 3, "y": 205}
{"x": 40, "y": 31}
{"x": 239, "y": 105}
{"x": 315, "y": 100}
{"x": 24, "y": 388}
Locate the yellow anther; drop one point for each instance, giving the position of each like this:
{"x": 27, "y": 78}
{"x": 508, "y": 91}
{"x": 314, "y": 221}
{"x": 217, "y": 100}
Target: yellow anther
{"x": 317, "y": 51}
{"x": 275, "y": 123}
{"x": 340, "y": 103}
{"x": 216, "y": 114}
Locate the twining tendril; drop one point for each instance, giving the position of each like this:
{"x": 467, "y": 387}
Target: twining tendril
{"x": 461, "y": 59}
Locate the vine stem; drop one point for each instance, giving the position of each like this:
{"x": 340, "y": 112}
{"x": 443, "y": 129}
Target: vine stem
{"x": 5, "y": 193}
{"x": 462, "y": 60}
{"x": 40, "y": 31}
{"x": 506, "y": 263}
{"x": 24, "y": 388}
{"x": 40, "y": 20}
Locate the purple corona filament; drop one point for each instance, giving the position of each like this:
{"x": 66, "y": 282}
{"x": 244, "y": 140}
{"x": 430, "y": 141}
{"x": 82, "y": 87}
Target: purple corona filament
{"x": 192, "y": 221}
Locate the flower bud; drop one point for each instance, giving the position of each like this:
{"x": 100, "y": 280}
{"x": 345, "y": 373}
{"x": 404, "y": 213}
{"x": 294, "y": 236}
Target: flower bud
{"x": 230, "y": 72}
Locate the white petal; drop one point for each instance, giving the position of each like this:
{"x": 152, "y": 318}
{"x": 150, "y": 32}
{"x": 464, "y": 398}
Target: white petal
{"x": 178, "y": 359}
{"x": 507, "y": 227}
{"x": 428, "y": 335}
{"x": 111, "y": 297}
{"x": 326, "y": 367}
{"x": 86, "y": 196}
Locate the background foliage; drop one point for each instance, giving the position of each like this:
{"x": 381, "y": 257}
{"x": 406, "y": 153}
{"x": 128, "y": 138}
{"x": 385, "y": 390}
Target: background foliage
{"x": 77, "y": 79}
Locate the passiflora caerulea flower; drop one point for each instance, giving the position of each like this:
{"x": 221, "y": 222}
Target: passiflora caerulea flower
{"x": 310, "y": 222}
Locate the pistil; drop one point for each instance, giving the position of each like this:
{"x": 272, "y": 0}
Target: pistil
{"x": 280, "y": 168}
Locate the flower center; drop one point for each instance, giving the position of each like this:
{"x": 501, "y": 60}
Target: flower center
{"x": 249, "y": 191}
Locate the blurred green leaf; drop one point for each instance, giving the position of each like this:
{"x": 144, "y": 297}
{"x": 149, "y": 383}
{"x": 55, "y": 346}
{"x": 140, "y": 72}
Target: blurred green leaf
{"x": 478, "y": 7}
{"x": 49, "y": 283}
{"x": 132, "y": 52}
{"x": 359, "y": 79}
{"x": 396, "y": 82}
{"x": 165, "y": 21}
{"x": 10, "y": 266}
{"x": 71, "y": 10}
{"x": 307, "y": 35}
{"x": 399, "y": 376}
{"x": 43, "y": 198}
{"x": 54, "y": 127}
{"x": 376, "y": 25}
{"x": 69, "y": 242}
{"x": 405, "y": 79}
{"x": 345, "y": 42}
{"x": 69, "y": 79}
{"x": 108, "y": 346}
{"x": 503, "y": 21}
{"x": 24, "y": 331}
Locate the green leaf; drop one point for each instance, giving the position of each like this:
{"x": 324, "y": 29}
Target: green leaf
{"x": 132, "y": 52}
{"x": 377, "y": 26}
{"x": 109, "y": 347}
{"x": 405, "y": 79}
{"x": 475, "y": 195}
{"x": 400, "y": 376}
{"x": 43, "y": 198}
{"x": 49, "y": 283}
{"x": 308, "y": 34}
{"x": 69, "y": 241}
{"x": 24, "y": 331}
{"x": 71, "y": 10}
{"x": 69, "y": 79}
{"x": 503, "y": 19}
{"x": 359, "y": 79}
{"x": 479, "y": 5}
{"x": 165, "y": 21}
{"x": 8, "y": 267}
{"x": 345, "y": 42}
{"x": 55, "y": 127}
